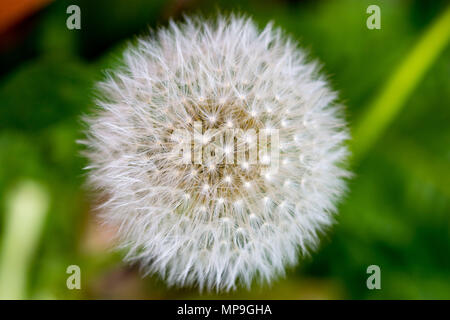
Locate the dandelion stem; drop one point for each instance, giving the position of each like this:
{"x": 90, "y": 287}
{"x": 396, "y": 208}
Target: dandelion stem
{"x": 383, "y": 109}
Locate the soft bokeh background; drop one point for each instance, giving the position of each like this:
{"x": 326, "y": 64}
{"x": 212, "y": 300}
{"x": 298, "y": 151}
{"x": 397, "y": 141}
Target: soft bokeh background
{"x": 396, "y": 214}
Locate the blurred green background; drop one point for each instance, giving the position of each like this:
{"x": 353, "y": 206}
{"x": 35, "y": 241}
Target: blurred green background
{"x": 395, "y": 215}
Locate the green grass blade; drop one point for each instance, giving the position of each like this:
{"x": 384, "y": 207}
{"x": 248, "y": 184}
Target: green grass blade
{"x": 382, "y": 111}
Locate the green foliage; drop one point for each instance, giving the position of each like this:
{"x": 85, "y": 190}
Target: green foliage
{"x": 396, "y": 214}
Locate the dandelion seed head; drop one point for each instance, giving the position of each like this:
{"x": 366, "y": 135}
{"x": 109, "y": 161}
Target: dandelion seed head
{"x": 209, "y": 225}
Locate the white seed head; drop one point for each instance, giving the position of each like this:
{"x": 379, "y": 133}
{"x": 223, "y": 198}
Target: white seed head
{"x": 214, "y": 225}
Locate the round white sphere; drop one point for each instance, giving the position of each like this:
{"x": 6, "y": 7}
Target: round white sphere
{"x": 208, "y": 223}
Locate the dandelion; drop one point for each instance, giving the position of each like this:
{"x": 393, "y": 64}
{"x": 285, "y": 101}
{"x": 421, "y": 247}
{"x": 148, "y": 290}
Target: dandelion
{"x": 216, "y": 225}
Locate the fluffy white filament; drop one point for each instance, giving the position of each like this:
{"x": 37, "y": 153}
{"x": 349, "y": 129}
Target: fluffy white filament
{"x": 214, "y": 225}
